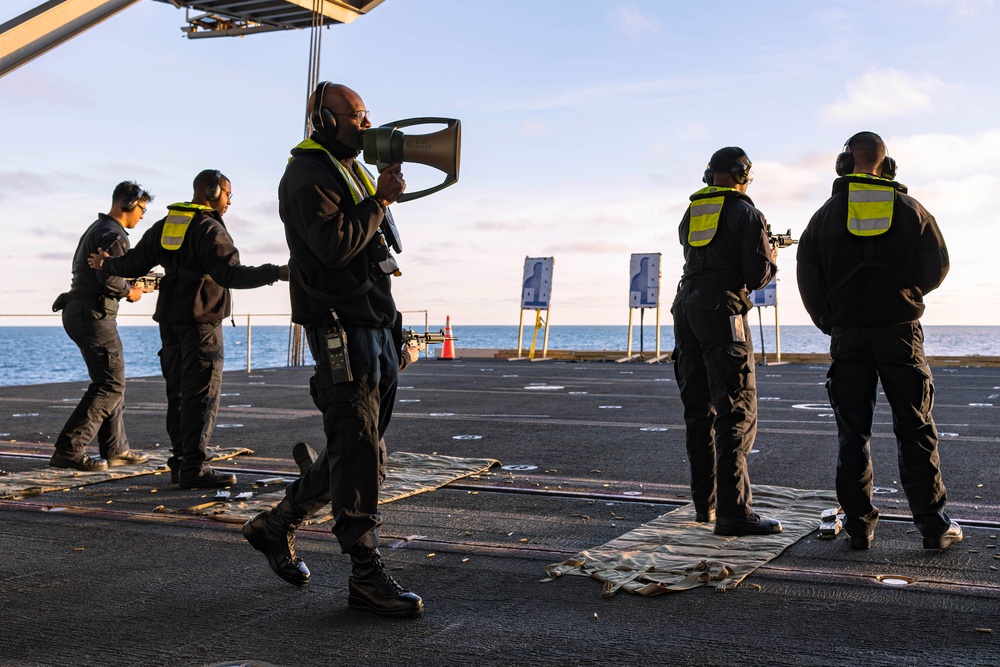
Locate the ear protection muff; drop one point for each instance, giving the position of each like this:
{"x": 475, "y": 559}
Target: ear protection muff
{"x": 845, "y": 164}
{"x": 323, "y": 122}
{"x": 740, "y": 171}
{"x": 889, "y": 168}
{"x": 214, "y": 189}
{"x": 131, "y": 199}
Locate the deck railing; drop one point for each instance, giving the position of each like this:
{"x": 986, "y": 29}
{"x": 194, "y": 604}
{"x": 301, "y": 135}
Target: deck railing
{"x": 296, "y": 335}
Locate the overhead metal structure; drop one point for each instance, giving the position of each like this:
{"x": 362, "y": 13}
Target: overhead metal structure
{"x": 25, "y": 37}
{"x": 228, "y": 18}
{"x": 51, "y": 23}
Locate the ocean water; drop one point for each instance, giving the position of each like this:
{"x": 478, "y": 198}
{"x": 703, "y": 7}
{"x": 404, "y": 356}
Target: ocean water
{"x": 45, "y": 354}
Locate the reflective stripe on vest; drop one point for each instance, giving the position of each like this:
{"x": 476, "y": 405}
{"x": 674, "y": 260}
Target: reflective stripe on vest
{"x": 176, "y": 224}
{"x": 360, "y": 171}
{"x": 869, "y": 208}
{"x": 704, "y": 219}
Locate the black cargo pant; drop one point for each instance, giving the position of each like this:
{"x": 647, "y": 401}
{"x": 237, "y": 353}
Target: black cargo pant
{"x": 191, "y": 361}
{"x": 100, "y": 411}
{"x": 718, "y": 388}
{"x": 350, "y": 470}
{"x": 895, "y": 355}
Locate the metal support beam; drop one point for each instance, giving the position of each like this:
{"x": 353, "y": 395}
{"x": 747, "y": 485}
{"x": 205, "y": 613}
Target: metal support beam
{"x": 238, "y": 17}
{"x": 340, "y": 11}
{"x": 45, "y": 27}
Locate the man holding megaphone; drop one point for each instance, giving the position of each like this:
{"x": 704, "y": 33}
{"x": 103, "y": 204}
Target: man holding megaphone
{"x": 340, "y": 236}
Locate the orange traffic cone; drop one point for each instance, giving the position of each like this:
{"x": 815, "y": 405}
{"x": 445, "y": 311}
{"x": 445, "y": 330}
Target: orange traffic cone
{"x": 448, "y": 351}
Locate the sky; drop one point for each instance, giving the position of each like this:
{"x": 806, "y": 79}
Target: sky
{"x": 586, "y": 125}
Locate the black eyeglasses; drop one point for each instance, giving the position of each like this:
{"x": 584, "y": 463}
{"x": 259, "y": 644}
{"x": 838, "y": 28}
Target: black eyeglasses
{"x": 143, "y": 208}
{"x": 361, "y": 115}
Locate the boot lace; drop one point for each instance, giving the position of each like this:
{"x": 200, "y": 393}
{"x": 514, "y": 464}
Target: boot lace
{"x": 383, "y": 578}
{"x": 291, "y": 540}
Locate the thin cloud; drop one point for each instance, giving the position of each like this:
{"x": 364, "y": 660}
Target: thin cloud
{"x": 694, "y": 131}
{"x": 534, "y": 128}
{"x": 26, "y": 86}
{"x": 954, "y": 155}
{"x": 630, "y": 20}
{"x": 132, "y": 171}
{"x": 23, "y": 183}
{"x": 276, "y": 248}
{"x": 792, "y": 185}
{"x": 963, "y": 8}
{"x": 239, "y": 225}
{"x": 884, "y": 93}
{"x": 501, "y": 225}
{"x": 582, "y": 97}
{"x": 588, "y": 248}
{"x": 19, "y": 183}
{"x": 268, "y": 209}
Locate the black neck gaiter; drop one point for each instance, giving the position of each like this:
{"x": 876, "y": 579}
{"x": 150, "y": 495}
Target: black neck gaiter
{"x": 337, "y": 149}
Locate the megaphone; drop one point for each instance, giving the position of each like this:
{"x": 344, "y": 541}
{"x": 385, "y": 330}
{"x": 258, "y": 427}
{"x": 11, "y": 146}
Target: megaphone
{"x": 386, "y": 145}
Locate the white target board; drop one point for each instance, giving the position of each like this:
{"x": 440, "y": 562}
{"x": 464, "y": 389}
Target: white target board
{"x": 768, "y": 296}
{"x": 536, "y": 286}
{"x": 644, "y": 281}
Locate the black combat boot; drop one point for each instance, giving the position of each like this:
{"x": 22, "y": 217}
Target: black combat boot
{"x": 174, "y": 463}
{"x": 752, "y": 524}
{"x": 207, "y": 478}
{"x": 273, "y": 534}
{"x": 304, "y": 456}
{"x": 77, "y": 461}
{"x": 372, "y": 589}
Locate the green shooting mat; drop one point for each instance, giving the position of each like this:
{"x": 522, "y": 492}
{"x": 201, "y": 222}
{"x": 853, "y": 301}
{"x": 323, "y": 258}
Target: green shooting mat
{"x": 408, "y": 474}
{"x": 43, "y": 480}
{"x": 675, "y": 553}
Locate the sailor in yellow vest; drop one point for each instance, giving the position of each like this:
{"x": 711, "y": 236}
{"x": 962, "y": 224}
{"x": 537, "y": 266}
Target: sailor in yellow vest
{"x": 726, "y": 254}
{"x": 865, "y": 260}
{"x": 201, "y": 264}
{"x": 339, "y": 232}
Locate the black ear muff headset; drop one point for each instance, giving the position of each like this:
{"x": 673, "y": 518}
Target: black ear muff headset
{"x": 214, "y": 189}
{"x": 845, "y": 162}
{"x": 739, "y": 171}
{"x": 323, "y": 122}
{"x": 131, "y": 198}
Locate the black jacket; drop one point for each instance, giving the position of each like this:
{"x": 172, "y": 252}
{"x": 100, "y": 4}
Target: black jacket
{"x": 197, "y": 277}
{"x": 333, "y": 244}
{"x": 108, "y": 234}
{"x": 848, "y": 280}
{"x": 737, "y": 260}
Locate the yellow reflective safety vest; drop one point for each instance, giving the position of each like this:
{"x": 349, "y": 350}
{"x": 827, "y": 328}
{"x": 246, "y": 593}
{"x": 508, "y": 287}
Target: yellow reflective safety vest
{"x": 869, "y": 206}
{"x": 362, "y": 175}
{"x": 704, "y": 218}
{"x": 179, "y": 216}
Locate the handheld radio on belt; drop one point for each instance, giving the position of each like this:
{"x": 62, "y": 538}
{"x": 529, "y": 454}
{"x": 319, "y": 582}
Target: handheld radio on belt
{"x": 336, "y": 351}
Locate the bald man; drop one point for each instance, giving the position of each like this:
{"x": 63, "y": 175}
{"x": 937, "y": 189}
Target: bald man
{"x": 865, "y": 261}
{"x": 340, "y": 234}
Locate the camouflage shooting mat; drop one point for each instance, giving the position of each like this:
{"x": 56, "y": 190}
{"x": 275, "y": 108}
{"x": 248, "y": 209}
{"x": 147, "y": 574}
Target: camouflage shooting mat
{"x": 675, "y": 553}
{"x": 408, "y": 475}
{"x": 34, "y": 482}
